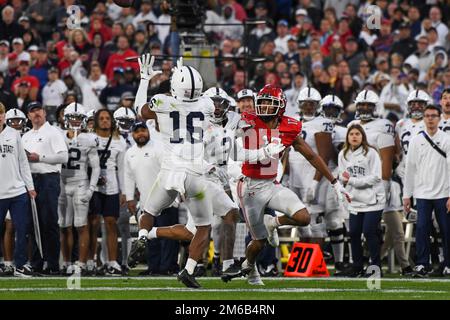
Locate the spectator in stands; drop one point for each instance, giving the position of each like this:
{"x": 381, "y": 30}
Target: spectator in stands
{"x": 8, "y": 98}
{"x": 433, "y": 39}
{"x": 405, "y": 45}
{"x": 111, "y": 95}
{"x": 80, "y": 42}
{"x": 117, "y": 60}
{"x": 261, "y": 33}
{"x": 98, "y": 27}
{"x": 9, "y": 28}
{"x": 98, "y": 52}
{"x": 343, "y": 32}
{"x": 145, "y": 14}
{"x": 53, "y": 93}
{"x": 281, "y": 41}
{"x": 42, "y": 15}
{"x": 23, "y": 95}
{"x": 130, "y": 30}
{"x": 423, "y": 57}
{"x": 33, "y": 82}
{"x": 352, "y": 55}
{"x": 4, "y": 51}
{"x": 140, "y": 42}
{"x": 435, "y": 16}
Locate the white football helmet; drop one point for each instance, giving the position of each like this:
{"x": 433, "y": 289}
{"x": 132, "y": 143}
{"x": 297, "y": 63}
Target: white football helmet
{"x": 186, "y": 84}
{"x": 125, "y": 118}
{"x": 415, "y": 110}
{"x": 245, "y": 93}
{"x": 16, "y": 119}
{"x": 332, "y": 107}
{"x": 308, "y": 101}
{"x": 75, "y": 116}
{"x": 366, "y": 105}
{"x": 221, "y": 103}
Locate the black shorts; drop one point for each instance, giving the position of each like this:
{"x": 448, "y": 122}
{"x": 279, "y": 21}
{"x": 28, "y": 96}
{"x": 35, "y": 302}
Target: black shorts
{"x": 106, "y": 205}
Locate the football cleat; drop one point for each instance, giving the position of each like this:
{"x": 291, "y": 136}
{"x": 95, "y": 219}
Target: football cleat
{"x": 188, "y": 280}
{"x": 137, "y": 251}
{"x": 254, "y": 278}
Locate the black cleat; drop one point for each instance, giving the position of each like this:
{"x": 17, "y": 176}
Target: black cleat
{"x": 407, "y": 271}
{"x": 137, "y": 251}
{"x": 216, "y": 270}
{"x": 188, "y": 280}
{"x": 420, "y": 271}
{"x": 230, "y": 273}
{"x": 200, "y": 271}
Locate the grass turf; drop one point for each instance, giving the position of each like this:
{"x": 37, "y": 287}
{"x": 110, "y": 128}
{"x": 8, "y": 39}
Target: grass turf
{"x": 169, "y": 288}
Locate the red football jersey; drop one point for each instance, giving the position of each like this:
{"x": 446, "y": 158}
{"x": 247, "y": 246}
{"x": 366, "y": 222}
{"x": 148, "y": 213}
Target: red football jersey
{"x": 288, "y": 129}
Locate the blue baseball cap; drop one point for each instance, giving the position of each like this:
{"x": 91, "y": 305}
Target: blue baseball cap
{"x": 137, "y": 125}
{"x": 34, "y": 105}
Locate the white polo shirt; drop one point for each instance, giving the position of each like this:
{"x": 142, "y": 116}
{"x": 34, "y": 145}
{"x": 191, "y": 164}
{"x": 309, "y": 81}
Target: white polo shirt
{"x": 53, "y": 93}
{"x": 142, "y": 166}
{"x": 45, "y": 141}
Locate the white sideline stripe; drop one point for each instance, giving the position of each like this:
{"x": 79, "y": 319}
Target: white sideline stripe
{"x": 418, "y": 280}
{"x": 177, "y": 289}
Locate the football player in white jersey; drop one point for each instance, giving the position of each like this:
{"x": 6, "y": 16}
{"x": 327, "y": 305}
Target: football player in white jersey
{"x": 304, "y": 179}
{"x": 335, "y": 214}
{"x": 182, "y": 118}
{"x": 219, "y": 142}
{"x": 90, "y": 120}
{"x": 76, "y": 187}
{"x": 125, "y": 118}
{"x": 444, "y": 125}
{"x": 405, "y": 130}
{"x": 15, "y": 119}
{"x": 108, "y": 197}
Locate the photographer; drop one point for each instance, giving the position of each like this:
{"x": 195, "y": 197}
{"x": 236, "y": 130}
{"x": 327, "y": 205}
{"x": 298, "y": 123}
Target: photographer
{"x": 107, "y": 199}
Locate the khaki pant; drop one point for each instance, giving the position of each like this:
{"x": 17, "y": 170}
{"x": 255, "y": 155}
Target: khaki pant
{"x": 395, "y": 237}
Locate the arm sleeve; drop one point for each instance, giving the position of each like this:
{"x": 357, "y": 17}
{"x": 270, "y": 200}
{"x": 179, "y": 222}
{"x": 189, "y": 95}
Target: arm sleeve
{"x": 239, "y": 153}
{"x": 94, "y": 162}
{"x": 58, "y": 158}
{"x": 120, "y": 167}
{"x": 24, "y": 165}
{"x": 374, "y": 172}
{"x": 410, "y": 170}
{"x": 141, "y": 96}
{"x": 75, "y": 71}
{"x": 129, "y": 183}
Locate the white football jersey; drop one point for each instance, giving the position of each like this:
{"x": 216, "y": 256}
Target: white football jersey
{"x": 80, "y": 148}
{"x": 301, "y": 172}
{"x": 182, "y": 126}
{"x": 406, "y": 129}
{"x": 219, "y": 141}
{"x": 113, "y": 166}
{"x": 380, "y": 133}
{"x": 444, "y": 125}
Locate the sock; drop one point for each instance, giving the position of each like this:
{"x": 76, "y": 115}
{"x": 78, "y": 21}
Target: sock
{"x": 337, "y": 244}
{"x": 246, "y": 264}
{"x": 152, "y": 233}
{"x": 190, "y": 266}
{"x": 143, "y": 233}
{"x": 227, "y": 263}
{"x": 8, "y": 263}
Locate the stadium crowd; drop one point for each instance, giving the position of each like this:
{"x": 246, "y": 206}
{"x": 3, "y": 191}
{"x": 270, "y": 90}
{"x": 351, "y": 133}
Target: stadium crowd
{"x": 47, "y": 64}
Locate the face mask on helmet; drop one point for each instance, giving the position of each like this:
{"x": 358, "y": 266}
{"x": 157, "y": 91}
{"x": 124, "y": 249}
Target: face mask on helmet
{"x": 332, "y": 112}
{"x": 267, "y": 106}
{"x": 16, "y": 123}
{"x": 416, "y": 109}
{"x": 125, "y": 124}
{"x": 365, "y": 111}
{"x": 308, "y": 109}
{"x": 221, "y": 108}
{"x": 75, "y": 121}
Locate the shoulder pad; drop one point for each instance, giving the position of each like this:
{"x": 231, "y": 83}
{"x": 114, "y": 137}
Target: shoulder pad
{"x": 157, "y": 101}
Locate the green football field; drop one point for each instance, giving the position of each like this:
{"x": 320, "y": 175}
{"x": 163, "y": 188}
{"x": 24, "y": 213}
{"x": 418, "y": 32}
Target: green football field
{"x": 213, "y": 288}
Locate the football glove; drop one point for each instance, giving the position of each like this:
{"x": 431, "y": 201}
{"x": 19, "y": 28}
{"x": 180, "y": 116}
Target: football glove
{"x": 341, "y": 192}
{"x": 146, "y": 62}
{"x": 311, "y": 191}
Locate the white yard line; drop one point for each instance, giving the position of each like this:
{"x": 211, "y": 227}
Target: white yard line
{"x": 262, "y": 290}
{"x": 217, "y": 278}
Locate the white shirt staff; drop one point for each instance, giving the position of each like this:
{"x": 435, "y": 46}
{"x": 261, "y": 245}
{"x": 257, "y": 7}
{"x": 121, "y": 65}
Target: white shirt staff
{"x": 44, "y": 143}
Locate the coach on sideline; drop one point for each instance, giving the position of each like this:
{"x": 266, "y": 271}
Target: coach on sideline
{"x": 16, "y": 180}
{"x": 427, "y": 179}
{"x": 142, "y": 165}
{"x": 46, "y": 152}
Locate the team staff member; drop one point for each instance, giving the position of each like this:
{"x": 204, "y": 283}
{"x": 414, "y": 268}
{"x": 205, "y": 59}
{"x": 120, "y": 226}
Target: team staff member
{"x": 46, "y": 151}
{"x": 360, "y": 170}
{"x": 427, "y": 179}
{"x": 142, "y": 165}
{"x": 16, "y": 180}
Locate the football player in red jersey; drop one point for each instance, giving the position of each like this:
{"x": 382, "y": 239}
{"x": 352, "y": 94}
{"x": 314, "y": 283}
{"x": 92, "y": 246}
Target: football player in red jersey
{"x": 258, "y": 187}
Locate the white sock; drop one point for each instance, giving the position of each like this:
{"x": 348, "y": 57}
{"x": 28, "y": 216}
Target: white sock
{"x": 143, "y": 233}
{"x": 227, "y": 263}
{"x": 190, "y": 266}
{"x": 152, "y": 233}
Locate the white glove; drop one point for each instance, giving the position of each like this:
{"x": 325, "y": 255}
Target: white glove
{"x": 146, "y": 62}
{"x": 341, "y": 192}
{"x": 87, "y": 196}
{"x": 271, "y": 150}
{"x": 311, "y": 191}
